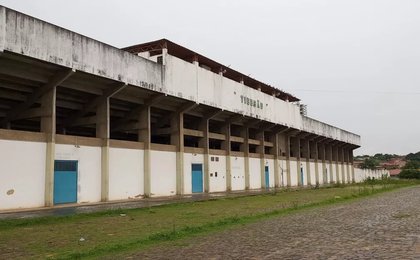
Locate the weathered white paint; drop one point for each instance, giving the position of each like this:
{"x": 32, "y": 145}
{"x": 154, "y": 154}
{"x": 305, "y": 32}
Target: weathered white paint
{"x": 189, "y": 159}
{"x": 283, "y": 173}
{"x": 340, "y": 175}
{"x": 22, "y": 174}
{"x": 89, "y": 169}
{"x": 313, "y": 173}
{"x": 163, "y": 173}
{"x": 255, "y": 173}
{"x": 363, "y": 174}
{"x": 345, "y": 173}
{"x": 238, "y": 173}
{"x": 334, "y": 172}
{"x": 44, "y": 41}
{"x": 126, "y": 173}
{"x": 321, "y": 173}
{"x": 217, "y": 167}
{"x": 189, "y": 81}
{"x": 294, "y": 173}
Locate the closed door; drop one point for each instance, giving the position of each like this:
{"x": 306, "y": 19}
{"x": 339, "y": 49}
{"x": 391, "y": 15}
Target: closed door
{"x": 65, "y": 182}
{"x": 267, "y": 177}
{"x": 197, "y": 178}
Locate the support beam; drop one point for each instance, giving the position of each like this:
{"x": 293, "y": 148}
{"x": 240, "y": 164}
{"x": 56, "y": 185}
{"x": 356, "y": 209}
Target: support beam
{"x": 313, "y": 150}
{"x": 53, "y": 82}
{"x": 260, "y": 151}
{"x": 94, "y": 103}
{"x": 48, "y": 125}
{"x": 102, "y": 131}
{"x": 322, "y": 157}
{"x": 305, "y": 154}
{"x": 226, "y": 146}
{"x": 276, "y": 153}
{"x": 177, "y": 139}
{"x": 244, "y": 147}
{"x": 144, "y": 135}
{"x": 204, "y": 143}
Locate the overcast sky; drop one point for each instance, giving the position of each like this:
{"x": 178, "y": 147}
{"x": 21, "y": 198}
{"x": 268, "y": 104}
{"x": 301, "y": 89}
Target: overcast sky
{"x": 355, "y": 63}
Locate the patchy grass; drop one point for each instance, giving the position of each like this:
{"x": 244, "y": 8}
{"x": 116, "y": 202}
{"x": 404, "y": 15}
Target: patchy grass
{"x": 118, "y": 231}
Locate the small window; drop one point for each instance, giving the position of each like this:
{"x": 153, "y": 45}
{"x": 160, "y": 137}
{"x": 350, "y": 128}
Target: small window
{"x": 212, "y": 159}
{"x": 215, "y": 174}
{"x": 217, "y": 159}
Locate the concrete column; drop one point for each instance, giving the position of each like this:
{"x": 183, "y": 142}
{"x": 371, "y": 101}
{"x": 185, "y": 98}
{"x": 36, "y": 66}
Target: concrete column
{"x": 276, "y": 151}
{"x": 313, "y": 149}
{"x": 144, "y": 135}
{"x": 245, "y": 149}
{"x": 296, "y": 153}
{"x": 347, "y": 161}
{"x": 260, "y": 151}
{"x": 204, "y": 143}
{"x": 48, "y": 125}
{"x": 102, "y": 131}
{"x": 335, "y": 158}
{"x": 322, "y": 158}
{"x": 329, "y": 151}
{"x": 288, "y": 176}
{"x": 351, "y": 161}
{"x": 341, "y": 159}
{"x": 227, "y": 148}
{"x": 177, "y": 139}
{"x": 305, "y": 154}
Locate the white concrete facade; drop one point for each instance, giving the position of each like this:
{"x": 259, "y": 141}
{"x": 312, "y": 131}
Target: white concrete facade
{"x": 110, "y": 167}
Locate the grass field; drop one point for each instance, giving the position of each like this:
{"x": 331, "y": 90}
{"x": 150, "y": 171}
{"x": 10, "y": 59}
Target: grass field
{"x": 114, "y": 232}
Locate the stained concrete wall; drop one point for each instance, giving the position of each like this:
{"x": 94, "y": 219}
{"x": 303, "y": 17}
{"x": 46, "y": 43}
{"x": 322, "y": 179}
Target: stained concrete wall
{"x": 255, "y": 173}
{"x": 163, "y": 175}
{"x": 126, "y": 173}
{"x": 237, "y": 173}
{"x": 22, "y": 174}
{"x": 44, "y": 41}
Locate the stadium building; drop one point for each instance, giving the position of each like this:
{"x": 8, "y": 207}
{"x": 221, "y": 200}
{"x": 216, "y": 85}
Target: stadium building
{"x": 84, "y": 122}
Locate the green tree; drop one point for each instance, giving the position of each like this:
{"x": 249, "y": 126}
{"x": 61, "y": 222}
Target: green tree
{"x": 369, "y": 163}
{"x": 409, "y": 174}
{"x": 412, "y": 165}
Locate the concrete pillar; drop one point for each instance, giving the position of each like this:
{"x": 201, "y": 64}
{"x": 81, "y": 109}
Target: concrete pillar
{"x": 227, "y": 148}
{"x": 313, "y": 149}
{"x": 260, "y": 151}
{"x": 322, "y": 157}
{"x": 329, "y": 152}
{"x": 48, "y": 125}
{"x": 102, "y": 131}
{"x": 347, "y": 164}
{"x": 336, "y": 160}
{"x": 351, "y": 161}
{"x": 144, "y": 135}
{"x": 276, "y": 152}
{"x": 341, "y": 153}
{"x": 296, "y": 153}
{"x": 177, "y": 139}
{"x": 288, "y": 172}
{"x": 305, "y": 153}
{"x": 204, "y": 143}
{"x": 245, "y": 149}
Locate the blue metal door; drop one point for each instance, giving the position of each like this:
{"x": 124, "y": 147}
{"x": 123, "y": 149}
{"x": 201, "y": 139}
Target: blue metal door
{"x": 197, "y": 177}
{"x": 65, "y": 182}
{"x": 267, "y": 177}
